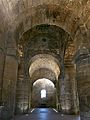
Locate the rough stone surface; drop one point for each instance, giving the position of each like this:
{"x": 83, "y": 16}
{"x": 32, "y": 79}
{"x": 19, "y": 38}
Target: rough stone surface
{"x": 59, "y": 28}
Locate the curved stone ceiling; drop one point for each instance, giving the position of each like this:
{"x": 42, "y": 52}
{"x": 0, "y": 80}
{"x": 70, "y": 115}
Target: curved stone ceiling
{"x": 21, "y": 14}
{"x": 18, "y": 16}
{"x": 43, "y": 73}
{"x": 13, "y": 8}
{"x": 43, "y": 83}
{"x": 44, "y": 61}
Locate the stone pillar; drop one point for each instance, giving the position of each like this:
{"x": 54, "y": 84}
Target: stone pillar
{"x": 9, "y": 82}
{"x": 22, "y": 95}
{"x": 58, "y": 105}
{"x": 65, "y": 97}
{"x": 82, "y": 61}
{"x": 2, "y": 60}
{"x": 73, "y": 88}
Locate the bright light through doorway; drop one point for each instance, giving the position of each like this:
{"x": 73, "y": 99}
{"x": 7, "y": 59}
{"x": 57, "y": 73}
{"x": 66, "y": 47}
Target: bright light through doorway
{"x": 43, "y": 93}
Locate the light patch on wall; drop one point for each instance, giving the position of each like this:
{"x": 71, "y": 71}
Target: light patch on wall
{"x": 43, "y": 93}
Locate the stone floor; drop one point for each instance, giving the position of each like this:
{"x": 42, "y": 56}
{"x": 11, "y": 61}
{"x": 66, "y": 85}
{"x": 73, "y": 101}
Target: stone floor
{"x": 46, "y": 114}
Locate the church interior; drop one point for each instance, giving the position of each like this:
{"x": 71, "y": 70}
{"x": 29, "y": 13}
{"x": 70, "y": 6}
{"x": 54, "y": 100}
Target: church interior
{"x": 44, "y": 58}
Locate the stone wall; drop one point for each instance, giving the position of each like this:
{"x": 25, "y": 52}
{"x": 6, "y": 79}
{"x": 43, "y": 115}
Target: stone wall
{"x": 2, "y": 56}
{"x": 9, "y": 85}
{"x": 22, "y": 90}
{"x": 83, "y": 78}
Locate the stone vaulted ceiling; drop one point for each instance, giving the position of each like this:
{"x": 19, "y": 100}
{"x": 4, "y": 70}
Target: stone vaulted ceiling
{"x": 17, "y": 12}
{"x": 18, "y": 16}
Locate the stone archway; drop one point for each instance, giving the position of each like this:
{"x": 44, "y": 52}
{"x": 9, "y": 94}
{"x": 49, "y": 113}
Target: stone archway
{"x": 44, "y": 48}
{"x": 49, "y": 100}
{"x": 45, "y": 67}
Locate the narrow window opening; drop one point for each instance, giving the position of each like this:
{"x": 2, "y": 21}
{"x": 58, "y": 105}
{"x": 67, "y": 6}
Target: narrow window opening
{"x": 43, "y": 93}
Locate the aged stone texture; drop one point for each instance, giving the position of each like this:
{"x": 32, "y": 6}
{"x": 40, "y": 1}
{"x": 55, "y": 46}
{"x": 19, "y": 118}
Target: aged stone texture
{"x": 56, "y": 28}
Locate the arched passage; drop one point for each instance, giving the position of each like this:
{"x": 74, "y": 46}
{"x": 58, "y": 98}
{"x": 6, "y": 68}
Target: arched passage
{"x": 44, "y": 71}
{"x": 48, "y": 86}
{"x": 18, "y": 16}
{"x": 46, "y": 52}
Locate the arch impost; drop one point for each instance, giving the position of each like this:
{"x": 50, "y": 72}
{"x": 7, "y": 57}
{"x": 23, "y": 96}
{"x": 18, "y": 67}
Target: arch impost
{"x": 81, "y": 54}
{"x": 13, "y": 52}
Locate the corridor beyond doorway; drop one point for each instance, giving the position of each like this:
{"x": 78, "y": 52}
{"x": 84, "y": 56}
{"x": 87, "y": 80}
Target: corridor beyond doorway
{"x": 46, "y": 114}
